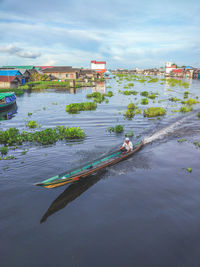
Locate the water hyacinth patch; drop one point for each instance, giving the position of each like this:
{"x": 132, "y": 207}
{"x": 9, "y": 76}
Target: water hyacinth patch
{"x": 144, "y": 93}
{"x": 185, "y": 109}
{"x": 198, "y": 115}
{"x": 154, "y": 112}
{"x": 196, "y": 143}
{"x": 129, "y": 134}
{"x": 190, "y": 101}
{"x": 131, "y": 106}
{"x": 3, "y": 150}
{"x": 152, "y": 96}
{"x": 129, "y": 113}
{"x": 77, "y": 107}
{"x": 174, "y": 99}
{"x": 31, "y": 124}
{"x": 144, "y": 101}
{"x": 130, "y": 92}
{"x": 117, "y": 129}
{"x": 47, "y": 136}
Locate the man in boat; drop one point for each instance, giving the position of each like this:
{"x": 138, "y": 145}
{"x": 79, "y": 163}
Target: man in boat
{"x": 127, "y": 146}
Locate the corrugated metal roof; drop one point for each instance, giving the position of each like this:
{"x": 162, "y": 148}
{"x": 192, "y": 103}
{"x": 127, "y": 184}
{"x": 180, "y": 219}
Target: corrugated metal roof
{"x": 8, "y": 78}
{"x": 10, "y": 73}
{"x": 61, "y": 69}
{"x": 19, "y": 67}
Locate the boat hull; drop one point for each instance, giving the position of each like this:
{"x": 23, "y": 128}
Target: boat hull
{"x": 73, "y": 178}
{"x": 6, "y": 105}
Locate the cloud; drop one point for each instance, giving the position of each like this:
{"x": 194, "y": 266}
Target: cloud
{"x": 15, "y": 50}
{"x": 28, "y": 54}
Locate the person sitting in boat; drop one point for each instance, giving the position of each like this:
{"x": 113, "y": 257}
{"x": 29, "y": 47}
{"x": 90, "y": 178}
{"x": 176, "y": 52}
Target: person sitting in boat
{"x": 127, "y": 146}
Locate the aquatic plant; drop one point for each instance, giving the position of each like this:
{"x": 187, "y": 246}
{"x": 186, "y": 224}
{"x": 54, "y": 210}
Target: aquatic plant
{"x": 198, "y": 115}
{"x": 130, "y": 92}
{"x": 109, "y": 94}
{"x": 189, "y": 169}
{"x": 181, "y": 140}
{"x": 138, "y": 111}
{"x": 152, "y": 96}
{"x": 18, "y": 92}
{"x": 77, "y": 107}
{"x": 131, "y": 106}
{"x": 190, "y": 101}
{"x": 31, "y": 124}
{"x": 117, "y": 129}
{"x": 129, "y": 113}
{"x": 154, "y": 112}
{"x": 129, "y": 134}
{"x": 144, "y": 101}
{"x": 130, "y": 84}
{"x": 196, "y": 143}
{"x": 174, "y": 99}
{"x": 144, "y": 93}
{"x": 3, "y": 150}
{"x": 186, "y": 93}
{"x": 44, "y": 137}
{"x": 185, "y": 109}
{"x": 7, "y": 157}
{"x": 29, "y": 113}
{"x": 153, "y": 80}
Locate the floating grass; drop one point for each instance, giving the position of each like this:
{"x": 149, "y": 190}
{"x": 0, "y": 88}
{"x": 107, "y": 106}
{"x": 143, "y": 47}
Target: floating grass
{"x": 154, "y": 112}
{"x": 77, "y": 107}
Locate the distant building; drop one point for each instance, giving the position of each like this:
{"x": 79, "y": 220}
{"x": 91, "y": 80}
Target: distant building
{"x": 9, "y": 82}
{"x": 18, "y": 67}
{"x": 169, "y": 67}
{"x": 98, "y": 66}
{"x": 63, "y": 72}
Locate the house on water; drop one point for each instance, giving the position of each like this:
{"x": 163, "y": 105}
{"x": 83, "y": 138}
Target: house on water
{"x": 9, "y": 82}
{"x": 63, "y": 73}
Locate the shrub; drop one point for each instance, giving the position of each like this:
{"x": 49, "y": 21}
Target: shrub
{"x": 154, "y": 112}
{"x": 76, "y": 107}
{"x": 31, "y": 124}
{"x": 3, "y": 150}
{"x": 144, "y": 101}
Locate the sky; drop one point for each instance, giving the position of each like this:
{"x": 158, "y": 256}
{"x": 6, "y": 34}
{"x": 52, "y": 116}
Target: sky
{"x": 126, "y": 33}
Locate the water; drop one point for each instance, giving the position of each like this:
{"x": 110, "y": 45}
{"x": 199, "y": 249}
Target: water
{"x": 141, "y": 212}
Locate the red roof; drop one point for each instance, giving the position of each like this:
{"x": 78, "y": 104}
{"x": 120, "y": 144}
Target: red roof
{"x": 44, "y": 67}
{"x": 172, "y": 66}
{"x": 98, "y": 62}
{"x": 178, "y": 70}
{"x": 101, "y": 71}
{"x": 7, "y": 78}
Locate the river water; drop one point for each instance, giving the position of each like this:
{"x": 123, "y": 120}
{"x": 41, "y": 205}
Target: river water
{"x": 141, "y": 212}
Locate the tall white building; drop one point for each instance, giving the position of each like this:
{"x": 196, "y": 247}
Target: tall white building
{"x": 98, "y": 66}
{"x": 169, "y": 67}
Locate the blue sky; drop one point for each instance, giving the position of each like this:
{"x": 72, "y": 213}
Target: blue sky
{"x": 126, "y": 33}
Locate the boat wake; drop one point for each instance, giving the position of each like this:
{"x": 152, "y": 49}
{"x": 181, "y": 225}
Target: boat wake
{"x": 166, "y": 131}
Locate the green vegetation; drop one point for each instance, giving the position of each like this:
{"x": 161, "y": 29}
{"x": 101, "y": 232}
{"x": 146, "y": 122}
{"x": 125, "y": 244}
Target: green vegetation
{"x": 98, "y": 97}
{"x": 29, "y": 113}
{"x": 144, "y": 93}
{"x": 18, "y": 92}
{"x": 129, "y": 113}
{"x": 152, "y": 96}
{"x": 138, "y": 111}
{"x": 12, "y": 136}
{"x": 153, "y": 80}
{"x": 198, "y": 115}
{"x": 131, "y": 106}
{"x": 31, "y": 124}
{"x": 130, "y": 92}
{"x": 130, "y": 84}
{"x": 3, "y": 150}
{"x": 190, "y": 101}
{"x": 185, "y": 109}
{"x": 174, "y": 99}
{"x": 77, "y": 107}
{"x": 47, "y": 84}
{"x": 189, "y": 169}
{"x": 116, "y": 129}
{"x": 129, "y": 134}
{"x": 7, "y": 157}
{"x": 186, "y": 93}
{"x": 154, "y": 112}
{"x": 181, "y": 140}
{"x": 196, "y": 143}
{"x": 174, "y": 82}
{"x": 144, "y": 101}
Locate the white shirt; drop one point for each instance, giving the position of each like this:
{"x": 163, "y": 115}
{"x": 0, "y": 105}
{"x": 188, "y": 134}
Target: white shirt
{"x": 128, "y": 146}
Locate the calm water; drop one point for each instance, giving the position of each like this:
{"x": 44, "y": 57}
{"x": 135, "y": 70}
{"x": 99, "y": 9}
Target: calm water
{"x": 142, "y": 212}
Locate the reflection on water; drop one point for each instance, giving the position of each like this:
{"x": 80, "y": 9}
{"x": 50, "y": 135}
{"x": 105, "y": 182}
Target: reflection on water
{"x": 100, "y": 87}
{"x": 71, "y": 193}
{"x": 8, "y": 113}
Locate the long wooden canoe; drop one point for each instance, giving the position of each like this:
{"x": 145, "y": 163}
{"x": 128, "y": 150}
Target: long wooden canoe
{"x": 7, "y": 99}
{"x": 90, "y": 168}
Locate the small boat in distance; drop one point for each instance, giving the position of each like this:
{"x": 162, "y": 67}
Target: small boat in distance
{"x": 88, "y": 169}
{"x": 7, "y": 99}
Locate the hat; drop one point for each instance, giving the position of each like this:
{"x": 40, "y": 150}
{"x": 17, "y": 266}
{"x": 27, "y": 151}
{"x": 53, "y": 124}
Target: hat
{"x": 126, "y": 139}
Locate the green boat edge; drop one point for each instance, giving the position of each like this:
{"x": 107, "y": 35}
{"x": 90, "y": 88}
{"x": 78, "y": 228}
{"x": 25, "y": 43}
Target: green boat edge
{"x": 68, "y": 177}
